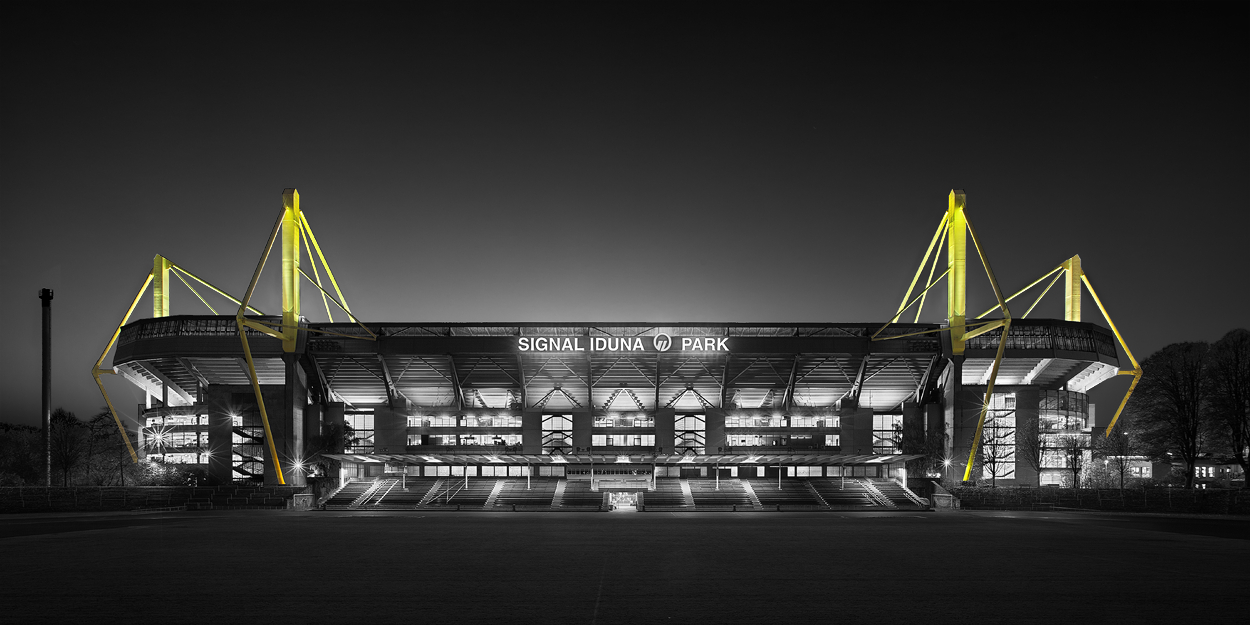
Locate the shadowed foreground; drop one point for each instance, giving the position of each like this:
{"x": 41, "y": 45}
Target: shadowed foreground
{"x": 294, "y": 567}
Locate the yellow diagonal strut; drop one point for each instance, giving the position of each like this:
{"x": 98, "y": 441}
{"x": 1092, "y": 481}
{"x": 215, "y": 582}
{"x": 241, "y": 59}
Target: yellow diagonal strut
{"x": 1136, "y": 372}
{"x": 247, "y": 350}
{"x": 96, "y": 370}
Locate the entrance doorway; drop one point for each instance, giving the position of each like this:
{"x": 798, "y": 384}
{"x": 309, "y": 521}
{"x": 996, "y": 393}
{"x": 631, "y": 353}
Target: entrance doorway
{"x": 623, "y": 501}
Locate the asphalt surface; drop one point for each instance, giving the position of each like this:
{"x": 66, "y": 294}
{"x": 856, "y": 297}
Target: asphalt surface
{"x": 600, "y": 568}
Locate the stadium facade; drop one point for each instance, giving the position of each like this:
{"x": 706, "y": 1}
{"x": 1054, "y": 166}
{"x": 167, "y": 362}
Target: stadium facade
{"x": 612, "y": 406}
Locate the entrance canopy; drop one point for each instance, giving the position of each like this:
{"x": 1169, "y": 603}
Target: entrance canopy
{"x": 796, "y": 459}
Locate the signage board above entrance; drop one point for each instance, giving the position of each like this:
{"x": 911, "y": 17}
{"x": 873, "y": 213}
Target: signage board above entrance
{"x": 657, "y": 343}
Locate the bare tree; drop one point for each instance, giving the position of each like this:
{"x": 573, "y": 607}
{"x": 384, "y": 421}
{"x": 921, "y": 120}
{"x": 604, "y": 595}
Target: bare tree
{"x": 69, "y": 443}
{"x": 1171, "y": 402}
{"x": 1115, "y": 449}
{"x": 1029, "y": 445}
{"x": 1072, "y": 449}
{"x": 1230, "y": 391}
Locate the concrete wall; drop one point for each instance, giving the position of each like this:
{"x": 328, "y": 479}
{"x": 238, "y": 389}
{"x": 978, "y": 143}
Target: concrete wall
{"x": 664, "y": 418}
{"x": 390, "y": 429}
{"x": 715, "y": 434}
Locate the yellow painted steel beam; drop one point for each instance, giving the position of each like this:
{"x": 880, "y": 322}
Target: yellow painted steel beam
{"x": 941, "y": 229}
{"x": 1040, "y": 296}
{"x": 197, "y": 293}
{"x": 312, "y": 261}
{"x": 96, "y": 370}
{"x": 277, "y": 334}
{"x": 932, "y": 268}
{"x": 160, "y": 288}
{"x": 1072, "y": 289}
{"x": 1136, "y": 372}
{"x": 290, "y": 269}
{"x": 1021, "y": 291}
{"x": 312, "y": 237}
{"x": 344, "y": 309}
{"x": 998, "y": 323}
{"x": 242, "y": 322}
{"x": 182, "y": 270}
{"x": 957, "y": 268}
{"x": 904, "y": 309}
{"x": 985, "y": 405}
{"x": 989, "y": 273}
{"x": 974, "y": 324}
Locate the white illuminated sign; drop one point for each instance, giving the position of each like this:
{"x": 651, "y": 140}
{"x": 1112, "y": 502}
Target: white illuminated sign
{"x": 660, "y": 343}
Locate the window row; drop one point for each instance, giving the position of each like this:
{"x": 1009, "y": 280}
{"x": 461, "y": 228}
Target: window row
{"x": 782, "y": 422}
{"x": 492, "y": 421}
{"x": 622, "y": 440}
{"x": 499, "y": 440}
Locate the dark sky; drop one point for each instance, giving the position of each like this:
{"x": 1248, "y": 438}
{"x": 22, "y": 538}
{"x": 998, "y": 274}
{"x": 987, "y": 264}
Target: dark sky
{"x": 617, "y": 162}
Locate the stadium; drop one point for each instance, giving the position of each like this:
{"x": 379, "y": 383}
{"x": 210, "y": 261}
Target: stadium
{"x": 649, "y": 415}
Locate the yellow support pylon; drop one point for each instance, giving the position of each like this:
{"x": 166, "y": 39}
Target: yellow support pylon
{"x": 954, "y": 230}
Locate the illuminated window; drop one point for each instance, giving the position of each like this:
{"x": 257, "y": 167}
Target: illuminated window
{"x": 998, "y": 438}
{"x": 361, "y": 424}
{"x": 887, "y": 433}
{"x": 833, "y": 440}
{"x": 557, "y": 433}
{"x": 689, "y": 433}
{"x": 622, "y": 440}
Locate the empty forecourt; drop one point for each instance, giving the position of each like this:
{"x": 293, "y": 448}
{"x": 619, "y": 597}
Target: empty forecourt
{"x": 661, "y": 415}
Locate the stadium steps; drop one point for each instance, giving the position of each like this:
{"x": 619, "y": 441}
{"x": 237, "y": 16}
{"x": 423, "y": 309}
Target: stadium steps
{"x": 535, "y": 492}
{"x": 432, "y": 493}
{"x": 406, "y": 495}
{"x": 729, "y": 494}
{"x": 383, "y": 489}
{"x": 815, "y": 493}
{"x": 842, "y": 493}
{"x": 791, "y": 493}
{"x": 558, "y": 500}
{"x": 899, "y": 494}
{"x": 365, "y": 495}
{"x": 755, "y": 501}
{"x": 667, "y": 494}
{"x": 350, "y": 492}
{"x": 877, "y": 495}
{"x": 494, "y": 494}
{"x": 577, "y": 494}
{"x": 686, "y": 496}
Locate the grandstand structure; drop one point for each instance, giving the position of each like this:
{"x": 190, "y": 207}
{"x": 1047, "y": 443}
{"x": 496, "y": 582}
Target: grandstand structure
{"x": 668, "y": 416}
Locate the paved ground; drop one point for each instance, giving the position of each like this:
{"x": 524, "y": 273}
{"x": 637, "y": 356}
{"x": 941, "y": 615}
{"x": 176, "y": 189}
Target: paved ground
{"x": 304, "y": 567}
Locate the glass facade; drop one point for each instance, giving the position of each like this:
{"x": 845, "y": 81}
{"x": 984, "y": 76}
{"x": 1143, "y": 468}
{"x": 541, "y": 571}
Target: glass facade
{"x": 689, "y": 431}
{"x": 887, "y": 433}
{"x": 557, "y": 432}
{"x": 998, "y": 438}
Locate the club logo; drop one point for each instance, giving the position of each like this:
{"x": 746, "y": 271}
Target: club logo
{"x": 662, "y": 342}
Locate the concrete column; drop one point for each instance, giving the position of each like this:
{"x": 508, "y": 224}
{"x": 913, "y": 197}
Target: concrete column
{"x": 333, "y": 424}
{"x": 390, "y": 430}
{"x": 715, "y": 434}
{"x": 294, "y": 401}
{"x": 664, "y": 418}
{"x": 582, "y": 422}
{"x": 220, "y": 403}
{"x": 281, "y": 428}
{"x": 531, "y": 432}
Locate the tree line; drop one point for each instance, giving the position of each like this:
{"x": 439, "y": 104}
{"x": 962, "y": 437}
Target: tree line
{"x": 1193, "y": 400}
{"x": 83, "y": 453}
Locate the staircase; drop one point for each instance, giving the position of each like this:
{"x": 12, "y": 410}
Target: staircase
{"x": 434, "y": 490}
{"x": 558, "y": 500}
{"x": 877, "y": 496}
{"x": 364, "y": 496}
{"x": 755, "y": 501}
{"x": 815, "y": 493}
{"x": 383, "y": 489}
{"x": 494, "y": 494}
{"x": 685, "y": 493}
